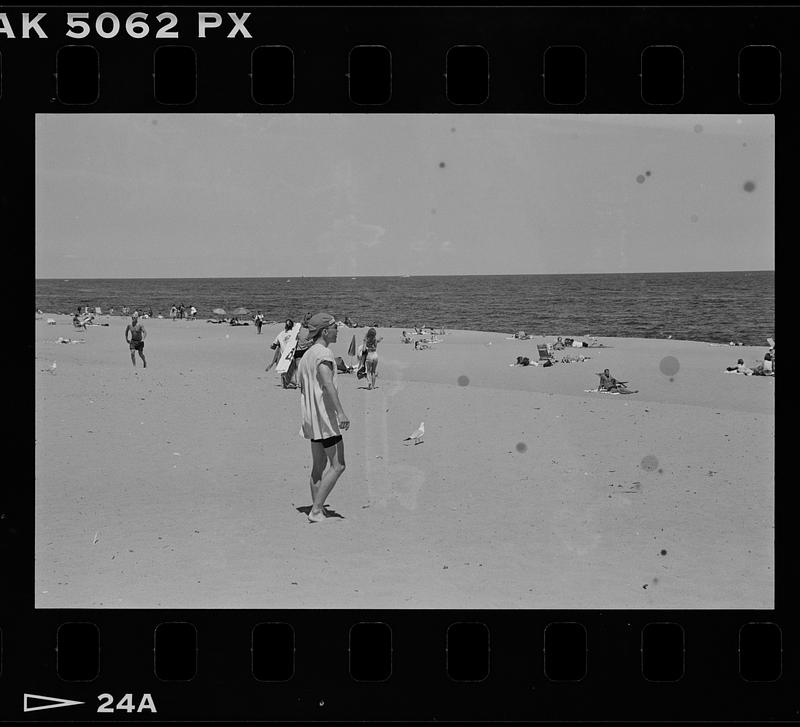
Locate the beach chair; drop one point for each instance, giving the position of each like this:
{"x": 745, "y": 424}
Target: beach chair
{"x": 342, "y": 367}
{"x": 544, "y": 354}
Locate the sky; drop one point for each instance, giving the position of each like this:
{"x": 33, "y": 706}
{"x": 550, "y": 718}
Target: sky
{"x": 262, "y": 195}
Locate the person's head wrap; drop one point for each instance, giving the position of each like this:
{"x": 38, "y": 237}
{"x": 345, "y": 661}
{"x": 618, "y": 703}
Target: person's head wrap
{"x": 319, "y": 321}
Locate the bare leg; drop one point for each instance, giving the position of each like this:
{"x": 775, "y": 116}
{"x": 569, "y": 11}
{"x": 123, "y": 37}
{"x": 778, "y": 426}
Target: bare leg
{"x": 288, "y": 378}
{"x": 133, "y": 358}
{"x": 144, "y": 360}
{"x": 335, "y": 459}
{"x": 318, "y": 462}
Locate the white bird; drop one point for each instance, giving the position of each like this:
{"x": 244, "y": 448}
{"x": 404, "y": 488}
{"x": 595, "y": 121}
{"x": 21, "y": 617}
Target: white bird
{"x": 417, "y": 436}
{"x": 53, "y": 368}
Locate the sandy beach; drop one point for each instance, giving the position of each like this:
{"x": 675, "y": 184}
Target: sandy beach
{"x": 177, "y": 486}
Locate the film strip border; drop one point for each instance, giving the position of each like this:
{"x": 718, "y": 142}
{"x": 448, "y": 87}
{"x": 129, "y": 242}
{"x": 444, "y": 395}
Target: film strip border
{"x": 430, "y": 665}
{"x": 406, "y": 665}
{"x": 400, "y": 59}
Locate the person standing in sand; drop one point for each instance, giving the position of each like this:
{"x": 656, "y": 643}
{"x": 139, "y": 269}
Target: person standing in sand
{"x": 370, "y": 349}
{"x": 136, "y": 340}
{"x": 322, "y": 414}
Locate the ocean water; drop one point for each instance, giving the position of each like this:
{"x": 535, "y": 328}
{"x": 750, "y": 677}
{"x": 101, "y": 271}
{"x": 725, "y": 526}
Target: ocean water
{"x": 709, "y": 306}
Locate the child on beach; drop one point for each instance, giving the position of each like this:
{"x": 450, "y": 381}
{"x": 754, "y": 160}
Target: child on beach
{"x": 323, "y": 417}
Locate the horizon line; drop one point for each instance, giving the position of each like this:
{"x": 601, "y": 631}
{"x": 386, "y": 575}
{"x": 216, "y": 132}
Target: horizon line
{"x": 404, "y": 275}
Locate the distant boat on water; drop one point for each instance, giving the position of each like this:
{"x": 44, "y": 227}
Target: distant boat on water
{"x": 406, "y": 275}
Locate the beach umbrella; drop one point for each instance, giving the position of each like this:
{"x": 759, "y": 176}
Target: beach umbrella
{"x": 218, "y": 311}
{"x": 241, "y": 311}
{"x": 352, "y": 350}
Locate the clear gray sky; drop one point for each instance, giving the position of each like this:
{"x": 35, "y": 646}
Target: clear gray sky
{"x": 250, "y": 195}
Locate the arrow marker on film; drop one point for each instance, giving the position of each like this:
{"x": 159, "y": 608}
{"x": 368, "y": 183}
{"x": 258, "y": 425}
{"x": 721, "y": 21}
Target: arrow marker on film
{"x": 55, "y": 702}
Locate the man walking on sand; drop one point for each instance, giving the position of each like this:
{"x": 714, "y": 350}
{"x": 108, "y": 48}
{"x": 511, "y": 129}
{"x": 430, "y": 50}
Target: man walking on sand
{"x": 136, "y": 340}
{"x": 322, "y": 414}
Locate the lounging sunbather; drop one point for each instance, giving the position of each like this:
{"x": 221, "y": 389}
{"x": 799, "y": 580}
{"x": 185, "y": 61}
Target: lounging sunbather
{"x": 609, "y": 383}
{"x": 740, "y": 368}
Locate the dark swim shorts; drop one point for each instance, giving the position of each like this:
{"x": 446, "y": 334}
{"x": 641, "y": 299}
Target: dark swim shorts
{"x": 329, "y": 441}
{"x": 137, "y": 345}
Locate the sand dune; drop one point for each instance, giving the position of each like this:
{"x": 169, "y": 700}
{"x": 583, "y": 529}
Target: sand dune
{"x": 527, "y": 492}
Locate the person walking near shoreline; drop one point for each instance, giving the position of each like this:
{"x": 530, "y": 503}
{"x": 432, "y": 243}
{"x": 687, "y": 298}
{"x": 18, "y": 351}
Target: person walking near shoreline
{"x": 322, "y": 415}
{"x": 136, "y": 340}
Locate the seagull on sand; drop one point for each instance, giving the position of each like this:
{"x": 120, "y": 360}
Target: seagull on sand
{"x": 417, "y": 436}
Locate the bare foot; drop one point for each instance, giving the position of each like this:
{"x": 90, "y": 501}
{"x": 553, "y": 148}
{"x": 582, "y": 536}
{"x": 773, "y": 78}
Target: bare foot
{"x": 320, "y": 517}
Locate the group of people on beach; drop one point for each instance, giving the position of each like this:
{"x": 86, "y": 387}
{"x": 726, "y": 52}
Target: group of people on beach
{"x": 293, "y": 341}
{"x": 180, "y": 311}
{"x": 763, "y": 368}
{"x": 89, "y": 313}
{"x": 176, "y": 312}
{"x": 312, "y": 368}
{"x": 81, "y": 319}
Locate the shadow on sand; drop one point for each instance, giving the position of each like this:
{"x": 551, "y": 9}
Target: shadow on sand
{"x": 305, "y": 509}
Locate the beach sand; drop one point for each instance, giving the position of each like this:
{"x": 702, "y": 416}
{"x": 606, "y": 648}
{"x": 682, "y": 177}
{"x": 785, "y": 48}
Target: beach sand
{"x": 178, "y": 486}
